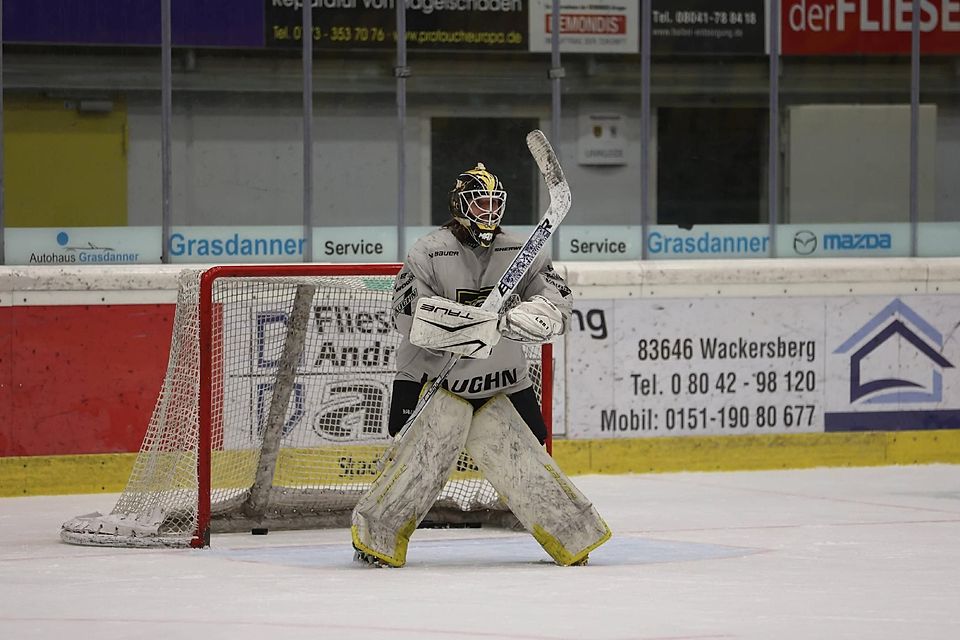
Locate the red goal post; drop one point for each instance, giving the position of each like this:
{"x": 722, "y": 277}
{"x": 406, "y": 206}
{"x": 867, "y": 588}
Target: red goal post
{"x": 274, "y": 408}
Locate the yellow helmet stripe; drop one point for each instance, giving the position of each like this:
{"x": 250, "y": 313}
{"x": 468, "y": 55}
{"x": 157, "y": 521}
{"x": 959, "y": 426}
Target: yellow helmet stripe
{"x": 484, "y": 176}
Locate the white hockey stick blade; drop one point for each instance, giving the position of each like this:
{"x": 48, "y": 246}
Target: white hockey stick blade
{"x": 546, "y": 159}
{"x": 549, "y": 165}
{"x": 552, "y": 172}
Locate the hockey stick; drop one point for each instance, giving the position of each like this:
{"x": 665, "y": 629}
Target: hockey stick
{"x": 552, "y": 173}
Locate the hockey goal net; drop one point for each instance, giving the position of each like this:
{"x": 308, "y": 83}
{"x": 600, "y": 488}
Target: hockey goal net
{"x": 273, "y": 411}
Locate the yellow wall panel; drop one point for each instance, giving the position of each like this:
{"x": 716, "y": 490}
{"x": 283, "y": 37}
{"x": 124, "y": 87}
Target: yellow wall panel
{"x": 64, "y": 167}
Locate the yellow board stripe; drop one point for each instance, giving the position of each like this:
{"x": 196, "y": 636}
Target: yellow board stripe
{"x": 54, "y": 475}
{"x": 95, "y": 473}
{"x": 740, "y": 453}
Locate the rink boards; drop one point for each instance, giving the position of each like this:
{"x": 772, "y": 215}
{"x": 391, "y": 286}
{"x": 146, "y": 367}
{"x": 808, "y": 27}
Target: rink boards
{"x": 668, "y": 366}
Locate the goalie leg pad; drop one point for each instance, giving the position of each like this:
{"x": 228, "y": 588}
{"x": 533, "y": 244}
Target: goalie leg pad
{"x": 407, "y": 486}
{"x": 544, "y": 500}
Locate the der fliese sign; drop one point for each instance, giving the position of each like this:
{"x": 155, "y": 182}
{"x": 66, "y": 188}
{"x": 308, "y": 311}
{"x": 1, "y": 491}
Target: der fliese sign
{"x": 851, "y": 27}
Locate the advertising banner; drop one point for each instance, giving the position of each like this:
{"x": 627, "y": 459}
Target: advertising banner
{"x": 679, "y": 26}
{"x": 878, "y": 239}
{"x": 342, "y": 340}
{"x": 99, "y": 246}
{"x": 708, "y": 27}
{"x": 355, "y": 244}
{"x": 727, "y": 366}
{"x": 471, "y": 25}
{"x": 669, "y": 242}
{"x": 205, "y": 244}
{"x": 835, "y": 240}
{"x": 838, "y": 27}
{"x": 586, "y": 27}
{"x": 600, "y": 242}
{"x": 194, "y": 23}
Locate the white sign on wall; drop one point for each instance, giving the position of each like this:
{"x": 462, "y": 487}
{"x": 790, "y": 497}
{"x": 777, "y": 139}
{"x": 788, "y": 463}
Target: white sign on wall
{"x": 600, "y": 242}
{"x": 602, "y": 139}
{"x": 727, "y": 366}
{"x": 355, "y": 244}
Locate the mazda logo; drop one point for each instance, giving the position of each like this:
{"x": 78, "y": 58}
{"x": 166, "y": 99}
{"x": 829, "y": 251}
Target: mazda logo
{"x": 804, "y": 242}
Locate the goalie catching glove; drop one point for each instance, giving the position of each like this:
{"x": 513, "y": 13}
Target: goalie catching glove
{"x": 536, "y": 320}
{"x": 444, "y": 325}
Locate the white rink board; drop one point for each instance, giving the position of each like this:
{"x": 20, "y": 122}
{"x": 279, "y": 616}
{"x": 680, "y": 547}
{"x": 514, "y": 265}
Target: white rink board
{"x": 838, "y": 296}
{"x": 729, "y": 366}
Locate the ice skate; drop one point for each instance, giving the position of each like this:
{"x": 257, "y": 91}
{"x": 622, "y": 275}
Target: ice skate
{"x": 368, "y": 559}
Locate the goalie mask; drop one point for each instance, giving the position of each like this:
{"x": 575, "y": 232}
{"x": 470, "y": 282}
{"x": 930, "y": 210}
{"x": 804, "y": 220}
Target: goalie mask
{"x": 477, "y": 202}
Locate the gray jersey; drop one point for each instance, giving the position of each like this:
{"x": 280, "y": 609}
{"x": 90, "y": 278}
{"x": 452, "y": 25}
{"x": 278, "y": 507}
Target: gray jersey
{"x": 439, "y": 265}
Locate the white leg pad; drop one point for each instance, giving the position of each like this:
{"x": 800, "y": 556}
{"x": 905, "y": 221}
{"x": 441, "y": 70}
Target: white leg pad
{"x": 540, "y": 495}
{"x": 407, "y": 486}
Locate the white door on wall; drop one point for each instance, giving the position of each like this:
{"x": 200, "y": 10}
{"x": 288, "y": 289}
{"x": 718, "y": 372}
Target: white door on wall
{"x": 851, "y": 163}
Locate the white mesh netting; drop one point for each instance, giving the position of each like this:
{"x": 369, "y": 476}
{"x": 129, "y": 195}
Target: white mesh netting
{"x": 301, "y": 369}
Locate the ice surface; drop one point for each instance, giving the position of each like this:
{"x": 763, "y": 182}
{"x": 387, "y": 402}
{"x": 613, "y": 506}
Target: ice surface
{"x": 786, "y": 555}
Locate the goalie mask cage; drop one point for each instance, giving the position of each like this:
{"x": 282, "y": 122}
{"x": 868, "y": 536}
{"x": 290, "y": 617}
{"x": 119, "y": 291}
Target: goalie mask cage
{"x": 273, "y": 411}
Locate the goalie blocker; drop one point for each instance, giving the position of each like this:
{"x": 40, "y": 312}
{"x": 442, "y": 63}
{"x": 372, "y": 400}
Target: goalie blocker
{"x": 444, "y": 325}
{"x": 540, "y": 495}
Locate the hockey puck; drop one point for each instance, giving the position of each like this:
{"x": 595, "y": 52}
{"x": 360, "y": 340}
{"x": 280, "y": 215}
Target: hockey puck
{"x": 259, "y": 532}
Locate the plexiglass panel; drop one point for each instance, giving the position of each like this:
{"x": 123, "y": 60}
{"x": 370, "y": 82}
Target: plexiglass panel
{"x": 845, "y": 124}
{"x": 849, "y": 169}
{"x": 938, "y": 233}
{"x": 69, "y": 166}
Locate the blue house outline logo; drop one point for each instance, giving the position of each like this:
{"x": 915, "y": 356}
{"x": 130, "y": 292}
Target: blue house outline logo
{"x": 900, "y": 388}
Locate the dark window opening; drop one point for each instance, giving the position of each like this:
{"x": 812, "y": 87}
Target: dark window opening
{"x": 458, "y": 144}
